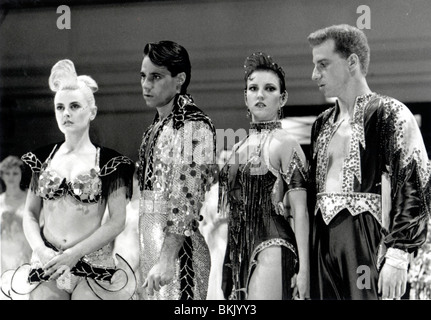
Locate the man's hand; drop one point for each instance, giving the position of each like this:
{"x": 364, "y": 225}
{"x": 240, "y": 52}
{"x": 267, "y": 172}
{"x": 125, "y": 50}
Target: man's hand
{"x": 159, "y": 275}
{"x": 392, "y": 282}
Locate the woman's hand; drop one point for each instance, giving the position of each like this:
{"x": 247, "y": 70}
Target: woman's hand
{"x": 62, "y": 262}
{"x": 45, "y": 254}
{"x": 300, "y": 282}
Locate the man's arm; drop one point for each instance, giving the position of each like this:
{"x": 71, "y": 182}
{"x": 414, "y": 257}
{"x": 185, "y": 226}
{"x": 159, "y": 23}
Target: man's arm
{"x": 191, "y": 177}
{"x": 409, "y": 169}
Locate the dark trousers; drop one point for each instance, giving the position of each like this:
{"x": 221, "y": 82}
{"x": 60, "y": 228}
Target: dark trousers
{"x": 344, "y": 257}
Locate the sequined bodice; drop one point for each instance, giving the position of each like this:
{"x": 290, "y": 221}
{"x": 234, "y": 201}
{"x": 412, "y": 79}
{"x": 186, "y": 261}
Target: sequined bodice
{"x": 256, "y": 167}
{"x": 86, "y": 187}
{"x": 252, "y": 193}
{"x": 258, "y": 190}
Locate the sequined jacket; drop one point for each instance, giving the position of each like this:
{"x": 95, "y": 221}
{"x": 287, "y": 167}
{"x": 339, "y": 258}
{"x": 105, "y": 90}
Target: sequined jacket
{"x": 178, "y": 163}
{"x": 386, "y": 173}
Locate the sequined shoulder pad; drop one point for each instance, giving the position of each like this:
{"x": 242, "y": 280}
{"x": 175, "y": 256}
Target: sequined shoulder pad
{"x": 407, "y": 138}
{"x": 113, "y": 164}
{"x": 295, "y": 163}
{"x": 32, "y": 161}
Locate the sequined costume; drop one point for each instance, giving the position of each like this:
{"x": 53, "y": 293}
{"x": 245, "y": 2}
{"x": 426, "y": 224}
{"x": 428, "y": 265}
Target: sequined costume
{"x": 107, "y": 277}
{"x": 251, "y": 194}
{"x": 177, "y": 169}
{"x": 384, "y": 202}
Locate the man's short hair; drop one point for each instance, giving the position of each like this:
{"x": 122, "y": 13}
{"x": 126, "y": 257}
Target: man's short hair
{"x": 348, "y": 40}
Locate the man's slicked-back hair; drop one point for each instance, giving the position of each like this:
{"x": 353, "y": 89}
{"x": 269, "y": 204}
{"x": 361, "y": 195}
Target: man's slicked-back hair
{"x": 172, "y": 56}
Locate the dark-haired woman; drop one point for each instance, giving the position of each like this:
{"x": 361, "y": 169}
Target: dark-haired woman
{"x": 262, "y": 189}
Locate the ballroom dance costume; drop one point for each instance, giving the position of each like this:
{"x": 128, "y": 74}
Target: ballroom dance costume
{"x": 381, "y": 213}
{"x": 106, "y": 278}
{"x": 251, "y": 195}
{"x": 177, "y": 168}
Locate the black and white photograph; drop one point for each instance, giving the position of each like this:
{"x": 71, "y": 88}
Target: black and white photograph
{"x": 225, "y": 152}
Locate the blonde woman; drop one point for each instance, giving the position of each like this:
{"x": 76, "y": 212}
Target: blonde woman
{"x": 73, "y": 182}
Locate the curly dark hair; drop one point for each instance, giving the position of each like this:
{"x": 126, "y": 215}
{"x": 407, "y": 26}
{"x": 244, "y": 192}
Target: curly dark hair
{"x": 262, "y": 61}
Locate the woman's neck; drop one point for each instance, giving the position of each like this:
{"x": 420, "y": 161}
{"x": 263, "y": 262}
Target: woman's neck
{"x": 13, "y": 191}
{"x": 77, "y": 142}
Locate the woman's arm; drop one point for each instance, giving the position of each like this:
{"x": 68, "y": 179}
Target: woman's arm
{"x": 298, "y": 203}
{"x": 292, "y": 163}
{"x": 31, "y": 226}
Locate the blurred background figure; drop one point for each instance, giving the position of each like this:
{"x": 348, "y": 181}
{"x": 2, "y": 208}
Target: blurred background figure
{"x": 127, "y": 242}
{"x": 214, "y": 229}
{"x": 15, "y": 249}
{"x": 419, "y": 276}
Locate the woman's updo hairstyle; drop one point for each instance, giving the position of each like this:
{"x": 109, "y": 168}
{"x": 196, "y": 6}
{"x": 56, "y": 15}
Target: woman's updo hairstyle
{"x": 262, "y": 61}
{"x": 64, "y": 77}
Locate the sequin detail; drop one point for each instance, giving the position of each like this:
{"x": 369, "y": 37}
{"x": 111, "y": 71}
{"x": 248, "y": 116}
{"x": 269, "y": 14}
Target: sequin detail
{"x": 253, "y": 262}
{"x": 252, "y": 201}
{"x": 330, "y": 204}
{"x": 265, "y": 125}
{"x": 104, "y": 278}
{"x": 177, "y": 169}
{"x": 269, "y": 243}
{"x": 410, "y": 149}
{"x": 294, "y": 163}
{"x": 85, "y": 188}
{"x": 352, "y": 164}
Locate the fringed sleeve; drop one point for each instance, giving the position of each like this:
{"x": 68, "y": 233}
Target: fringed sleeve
{"x": 223, "y": 190}
{"x": 192, "y": 175}
{"x": 35, "y": 161}
{"x": 116, "y": 171}
{"x": 228, "y": 195}
{"x": 33, "y": 170}
{"x": 409, "y": 170}
{"x": 223, "y": 204}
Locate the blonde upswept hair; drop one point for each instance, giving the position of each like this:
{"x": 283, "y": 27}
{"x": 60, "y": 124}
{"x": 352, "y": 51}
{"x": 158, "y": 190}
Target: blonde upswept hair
{"x": 64, "y": 77}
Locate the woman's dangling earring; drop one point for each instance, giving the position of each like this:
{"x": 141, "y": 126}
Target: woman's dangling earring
{"x": 248, "y": 113}
{"x": 284, "y": 100}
